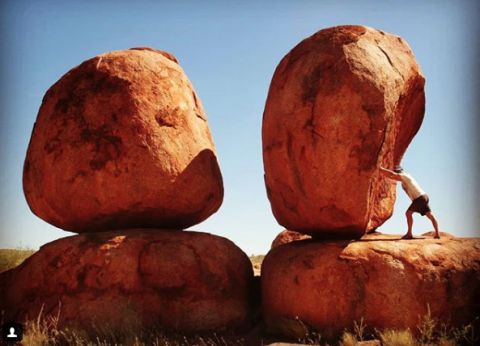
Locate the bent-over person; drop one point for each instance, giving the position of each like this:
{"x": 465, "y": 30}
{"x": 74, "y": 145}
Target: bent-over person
{"x": 416, "y": 194}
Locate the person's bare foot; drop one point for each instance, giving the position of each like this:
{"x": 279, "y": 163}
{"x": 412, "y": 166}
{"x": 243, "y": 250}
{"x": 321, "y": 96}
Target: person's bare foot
{"x": 408, "y": 236}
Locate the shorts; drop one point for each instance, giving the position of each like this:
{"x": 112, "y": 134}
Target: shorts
{"x": 420, "y": 205}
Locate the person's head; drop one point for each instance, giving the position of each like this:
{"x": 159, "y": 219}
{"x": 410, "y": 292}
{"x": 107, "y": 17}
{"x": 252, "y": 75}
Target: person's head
{"x": 398, "y": 169}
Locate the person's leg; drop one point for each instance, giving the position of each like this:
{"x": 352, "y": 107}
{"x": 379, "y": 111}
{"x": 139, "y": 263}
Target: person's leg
{"x": 434, "y": 223}
{"x": 409, "y": 215}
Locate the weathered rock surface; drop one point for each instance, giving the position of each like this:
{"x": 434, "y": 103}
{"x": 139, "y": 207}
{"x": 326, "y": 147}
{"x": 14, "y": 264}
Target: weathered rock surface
{"x": 122, "y": 141}
{"x": 387, "y": 282}
{"x": 187, "y": 281}
{"x": 286, "y": 236}
{"x": 341, "y": 103}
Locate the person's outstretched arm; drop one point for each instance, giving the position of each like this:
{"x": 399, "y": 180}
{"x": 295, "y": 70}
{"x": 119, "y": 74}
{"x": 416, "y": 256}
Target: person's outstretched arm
{"x": 390, "y": 174}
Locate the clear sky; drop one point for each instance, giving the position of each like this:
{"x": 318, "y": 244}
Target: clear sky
{"x": 229, "y": 50}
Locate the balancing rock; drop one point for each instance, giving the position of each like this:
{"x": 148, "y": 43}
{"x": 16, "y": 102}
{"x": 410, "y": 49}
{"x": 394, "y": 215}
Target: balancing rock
{"x": 341, "y": 103}
{"x": 122, "y": 141}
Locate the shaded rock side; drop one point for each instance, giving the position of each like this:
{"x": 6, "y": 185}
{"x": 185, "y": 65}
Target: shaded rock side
{"x": 186, "y": 281}
{"x": 122, "y": 141}
{"x": 341, "y": 103}
{"x": 286, "y": 236}
{"x": 388, "y": 282}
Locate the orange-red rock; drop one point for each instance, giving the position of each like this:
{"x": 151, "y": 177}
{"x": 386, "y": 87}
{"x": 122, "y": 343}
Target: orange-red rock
{"x": 341, "y": 103}
{"x": 122, "y": 141}
{"x": 187, "y": 281}
{"x": 286, "y": 236}
{"x": 388, "y": 282}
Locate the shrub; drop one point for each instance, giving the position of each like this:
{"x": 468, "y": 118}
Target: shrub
{"x": 10, "y": 258}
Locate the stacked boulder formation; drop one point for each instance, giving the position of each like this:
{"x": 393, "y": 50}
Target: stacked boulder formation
{"x": 121, "y": 153}
{"x": 342, "y": 103}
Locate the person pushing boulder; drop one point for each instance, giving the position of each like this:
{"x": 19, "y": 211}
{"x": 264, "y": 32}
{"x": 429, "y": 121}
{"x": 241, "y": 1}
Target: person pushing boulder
{"x": 416, "y": 194}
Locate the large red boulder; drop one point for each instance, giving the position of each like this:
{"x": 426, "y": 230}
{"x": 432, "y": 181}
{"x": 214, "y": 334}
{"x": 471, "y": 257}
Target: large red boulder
{"x": 341, "y": 103}
{"x": 122, "y": 141}
{"x": 387, "y": 282}
{"x": 187, "y": 281}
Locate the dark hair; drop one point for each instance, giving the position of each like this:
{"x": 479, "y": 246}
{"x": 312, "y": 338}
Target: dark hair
{"x": 398, "y": 169}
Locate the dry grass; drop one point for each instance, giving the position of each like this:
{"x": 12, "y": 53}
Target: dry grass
{"x": 430, "y": 332}
{"x": 44, "y": 331}
{"x": 397, "y": 338}
{"x": 10, "y": 258}
{"x": 348, "y": 339}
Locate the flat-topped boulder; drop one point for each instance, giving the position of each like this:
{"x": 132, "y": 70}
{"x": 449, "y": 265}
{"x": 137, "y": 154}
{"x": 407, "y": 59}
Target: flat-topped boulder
{"x": 343, "y": 102}
{"x": 185, "y": 281}
{"x": 122, "y": 141}
{"x": 387, "y": 282}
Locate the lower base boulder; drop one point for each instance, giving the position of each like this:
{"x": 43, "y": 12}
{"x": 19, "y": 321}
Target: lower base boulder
{"x": 180, "y": 280}
{"x": 387, "y": 282}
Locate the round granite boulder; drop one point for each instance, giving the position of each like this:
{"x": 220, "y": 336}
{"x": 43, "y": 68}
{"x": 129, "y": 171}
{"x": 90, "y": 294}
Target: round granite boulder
{"x": 122, "y": 141}
{"x": 343, "y": 102}
{"x": 387, "y": 282}
{"x": 185, "y": 281}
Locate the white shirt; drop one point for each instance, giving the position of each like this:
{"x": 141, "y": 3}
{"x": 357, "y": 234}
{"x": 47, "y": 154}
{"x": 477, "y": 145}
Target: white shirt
{"x": 410, "y": 186}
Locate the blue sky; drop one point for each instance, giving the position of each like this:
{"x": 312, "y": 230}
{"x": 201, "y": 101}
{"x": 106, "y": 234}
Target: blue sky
{"x": 229, "y": 50}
